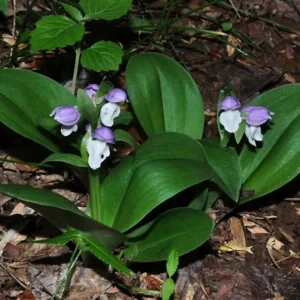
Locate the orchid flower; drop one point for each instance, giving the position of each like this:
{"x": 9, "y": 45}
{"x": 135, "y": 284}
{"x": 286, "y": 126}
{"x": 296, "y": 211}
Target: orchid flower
{"x": 68, "y": 116}
{"x": 92, "y": 90}
{"x": 256, "y": 116}
{"x": 97, "y": 146}
{"x": 111, "y": 110}
{"x": 230, "y": 118}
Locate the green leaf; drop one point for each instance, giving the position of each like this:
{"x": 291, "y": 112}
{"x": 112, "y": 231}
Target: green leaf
{"x": 102, "y": 56}
{"x": 87, "y": 108}
{"x": 168, "y": 289}
{"x": 226, "y": 167}
{"x": 183, "y": 229}
{"x": 105, "y": 88}
{"x": 106, "y": 10}
{"x": 276, "y": 161}
{"x": 131, "y": 190}
{"x": 62, "y": 239}
{"x": 238, "y": 135}
{"x": 11, "y": 114}
{"x": 140, "y": 25}
{"x": 226, "y": 26}
{"x": 71, "y": 159}
{"x": 172, "y": 263}
{"x": 55, "y": 32}
{"x": 62, "y": 213}
{"x": 125, "y": 118}
{"x": 104, "y": 254}
{"x": 164, "y": 96}
{"x": 30, "y": 103}
{"x": 74, "y": 12}
{"x": 124, "y": 136}
{"x": 3, "y": 6}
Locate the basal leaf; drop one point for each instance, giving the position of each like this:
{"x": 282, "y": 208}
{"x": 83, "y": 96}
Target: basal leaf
{"x": 55, "y": 32}
{"x": 183, "y": 229}
{"x": 62, "y": 213}
{"x": 102, "y": 56}
{"x": 160, "y": 168}
{"x": 105, "y": 255}
{"x": 226, "y": 166}
{"x": 276, "y": 161}
{"x": 106, "y": 10}
{"x": 164, "y": 96}
{"x": 71, "y": 159}
{"x": 14, "y": 118}
{"x": 31, "y": 103}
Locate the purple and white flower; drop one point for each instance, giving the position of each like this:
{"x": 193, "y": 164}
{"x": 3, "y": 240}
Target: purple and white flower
{"x": 230, "y": 118}
{"x": 116, "y": 95}
{"x": 255, "y": 116}
{"x": 68, "y": 116}
{"x": 97, "y": 146}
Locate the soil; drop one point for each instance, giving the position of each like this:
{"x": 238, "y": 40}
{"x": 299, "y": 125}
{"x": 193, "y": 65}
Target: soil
{"x": 270, "y": 225}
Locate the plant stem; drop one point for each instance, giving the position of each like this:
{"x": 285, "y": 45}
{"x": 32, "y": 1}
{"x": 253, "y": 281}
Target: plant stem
{"x": 70, "y": 268}
{"x": 75, "y": 72}
{"x": 94, "y": 201}
{"x": 138, "y": 290}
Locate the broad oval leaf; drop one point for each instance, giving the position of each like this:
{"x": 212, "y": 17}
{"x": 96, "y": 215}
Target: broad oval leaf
{"x": 183, "y": 229}
{"x": 63, "y": 213}
{"x": 172, "y": 263}
{"x": 164, "y": 96}
{"x": 14, "y": 118}
{"x": 276, "y": 161}
{"x": 55, "y": 32}
{"x": 3, "y": 6}
{"x": 106, "y": 10}
{"x": 102, "y": 56}
{"x": 34, "y": 101}
{"x": 71, "y": 159}
{"x": 160, "y": 168}
{"x": 226, "y": 167}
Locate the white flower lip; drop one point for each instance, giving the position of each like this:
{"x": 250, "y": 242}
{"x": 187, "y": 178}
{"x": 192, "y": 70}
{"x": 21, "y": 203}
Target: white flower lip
{"x": 231, "y": 120}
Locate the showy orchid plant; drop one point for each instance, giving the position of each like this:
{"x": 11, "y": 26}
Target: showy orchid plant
{"x": 81, "y": 129}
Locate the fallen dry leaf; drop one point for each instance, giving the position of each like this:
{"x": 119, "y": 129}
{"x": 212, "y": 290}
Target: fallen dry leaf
{"x": 237, "y": 231}
{"x": 234, "y": 246}
{"x": 234, "y": 41}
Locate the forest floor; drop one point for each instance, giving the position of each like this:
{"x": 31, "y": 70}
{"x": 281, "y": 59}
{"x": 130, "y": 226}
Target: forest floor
{"x": 271, "y": 225}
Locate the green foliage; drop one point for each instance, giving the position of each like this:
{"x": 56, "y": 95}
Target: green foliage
{"x": 87, "y": 108}
{"x": 276, "y": 162}
{"x": 71, "y": 159}
{"x": 172, "y": 263}
{"x": 3, "y": 6}
{"x": 104, "y": 254}
{"x": 162, "y": 166}
{"x": 226, "y": 26}
{"x": 106, "y": 10}
{"x": 99, "y": 250}
{"x": 102, "y": 56}
{"x": 164, "y": 96}
{"x": 226, "y": 166}
{"x": 125, "y": 118}
{"x": 63, "y": 213}
{"x": 124, "y": 136}
{"x": 167, "y": 289}
{"x": 55, "y": 32}
{"x": 31, "y": 103}
{"x": 183, "y": 229}
{"x": 74, "y": 12}
{"x": 62, "y": 239}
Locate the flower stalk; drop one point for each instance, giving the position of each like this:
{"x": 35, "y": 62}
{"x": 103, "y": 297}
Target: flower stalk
{"x": 75, "y": 72}
{"x": 95, "y": 194}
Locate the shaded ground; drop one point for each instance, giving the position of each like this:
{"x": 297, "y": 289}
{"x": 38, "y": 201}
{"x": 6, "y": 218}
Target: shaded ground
{"x": 270, "y": 225}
